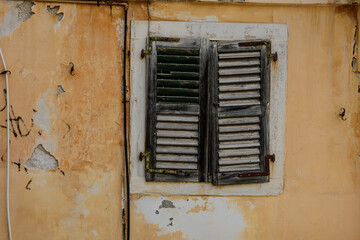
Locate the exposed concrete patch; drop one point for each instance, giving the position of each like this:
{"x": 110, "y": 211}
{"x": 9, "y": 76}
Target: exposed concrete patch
{"x": 24, "y": 10}
{"x": 54, "y": 10}
{"x": 41, "y": 160}
{"x": 17, "y": 14}
{"x": 166, "y": 204}
{"x": 203, "y": 224}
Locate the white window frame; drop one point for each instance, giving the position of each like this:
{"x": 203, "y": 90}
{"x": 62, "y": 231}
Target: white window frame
{"x": 277, "y": 34}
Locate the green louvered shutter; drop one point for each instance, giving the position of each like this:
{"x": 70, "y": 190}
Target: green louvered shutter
{"x": 175, "y": 116}
{"x": 239, "y": 112}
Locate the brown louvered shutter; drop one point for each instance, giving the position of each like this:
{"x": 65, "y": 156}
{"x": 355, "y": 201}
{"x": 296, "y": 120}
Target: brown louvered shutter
{"x": 175, "y": 116}
{"x": 239, "y": 112}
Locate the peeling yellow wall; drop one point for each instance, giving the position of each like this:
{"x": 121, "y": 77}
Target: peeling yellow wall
{"x": 81, "y": 127}
{"x": 322, "y": 173}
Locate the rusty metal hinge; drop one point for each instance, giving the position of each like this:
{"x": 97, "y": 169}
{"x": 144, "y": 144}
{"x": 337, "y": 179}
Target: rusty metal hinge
{"x": 274, "y": 56}
{"x": 151, "y": 39}
{"x": 270, "y": 157}
{"x": 151, "y": 170}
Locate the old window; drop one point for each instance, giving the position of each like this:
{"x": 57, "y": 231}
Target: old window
{"x": 207, "y": 114}
{"x": 196, "y": 120}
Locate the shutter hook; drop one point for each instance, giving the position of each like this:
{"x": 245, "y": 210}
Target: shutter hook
{"x": 342, "y": 114}
{"x": 72, "y": 68}
{"x": 5, "y": 72}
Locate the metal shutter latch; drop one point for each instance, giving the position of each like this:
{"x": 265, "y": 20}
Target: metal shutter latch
{"x": 151, "y": 170}
{"x": 267, "y": 168}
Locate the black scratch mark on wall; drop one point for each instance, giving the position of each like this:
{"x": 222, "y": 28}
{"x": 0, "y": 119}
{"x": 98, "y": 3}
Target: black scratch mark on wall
{"x": 21, "y": 127}
{"x": 61, "y": 171}
{"x": 18, "y": 164}
{"x": 69, "y": 128}
{"x": 17, "y": 124}
{"x": 27, "y": 185}
{"x": 5, "y": 103}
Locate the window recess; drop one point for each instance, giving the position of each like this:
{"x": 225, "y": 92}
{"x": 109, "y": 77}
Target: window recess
{"x": 208, "y": 111}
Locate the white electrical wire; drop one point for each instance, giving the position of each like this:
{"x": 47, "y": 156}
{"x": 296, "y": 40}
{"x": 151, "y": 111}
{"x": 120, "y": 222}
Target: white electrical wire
{"x": 8, "y": 145}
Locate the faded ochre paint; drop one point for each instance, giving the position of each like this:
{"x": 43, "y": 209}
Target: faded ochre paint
{"x": 322, "y": 174}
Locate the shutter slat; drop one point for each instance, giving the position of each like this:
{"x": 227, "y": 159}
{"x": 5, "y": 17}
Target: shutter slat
{"x": 173, "y": 165}
{"x": 238, "y": 136}
{"x": 239, "y": 63}
{"x": 239, "y": 87}
{"x": 178, "y": 99}
{"x": 178, "y": 51}
{"x": 177, "y": 59}
{"x": 249, "y": 111}
{"x": 239, "y": 95}
{"x": 239, "y": 128}
{"x": 239, "y": 144}
{"x": 177, "y": 67}
{"x": 240, "y": 120}
{"x": 176, "y": 158}
{"x": 177, "y": 118}
{"x": 238, "y": 152}
{"x": 179, "y": 134}
{"x": 176, "y": 150}
{"x": 238, "y": 79}
{"x": 243, "y": 167}
{"x": 172, "y": 83}
{"x": 179, "y": 75}
{"x": 177, "y": 109}
{"x": 239, "y": 55}
{"x": 176, "y": 126}
{"x": 177, "y": 92}
{"x": 239, "y": 160}
{"x": 237, "y": 103}
{"x": 238, "y": 71}
{"x": 176, "y": 142}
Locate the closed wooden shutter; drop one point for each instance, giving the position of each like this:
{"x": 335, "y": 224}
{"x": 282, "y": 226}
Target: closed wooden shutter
{"x": 239, "y": 112}
{"x": 175, "y": 117}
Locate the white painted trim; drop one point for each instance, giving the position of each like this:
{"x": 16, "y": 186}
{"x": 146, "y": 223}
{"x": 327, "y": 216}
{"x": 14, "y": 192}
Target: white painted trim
{"x": 277, "y": 33}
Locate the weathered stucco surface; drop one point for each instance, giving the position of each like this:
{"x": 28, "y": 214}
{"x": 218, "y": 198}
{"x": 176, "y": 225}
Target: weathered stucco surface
{"x": 82, "y": 128}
